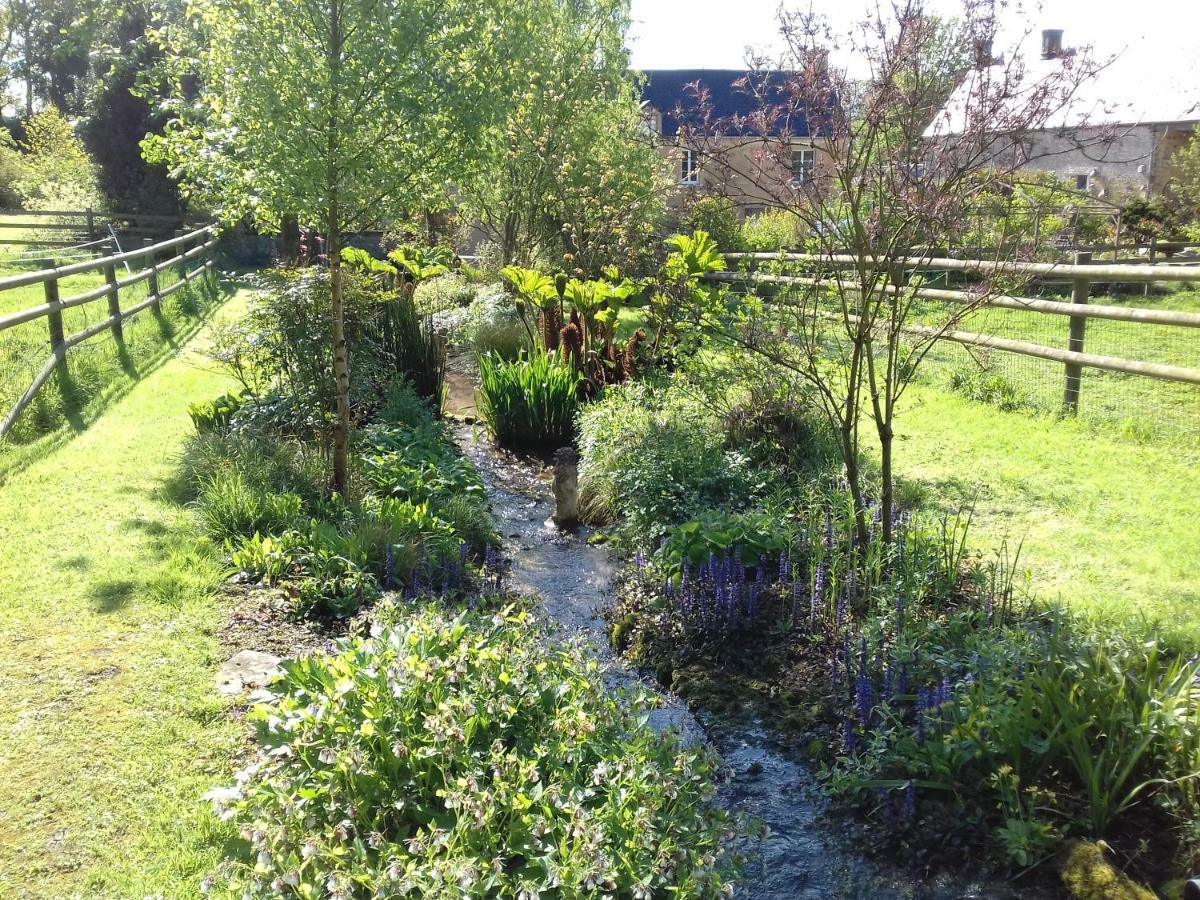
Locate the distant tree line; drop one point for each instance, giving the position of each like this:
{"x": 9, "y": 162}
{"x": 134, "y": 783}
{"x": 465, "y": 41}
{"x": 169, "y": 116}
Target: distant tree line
{"x": 88, "y": 61}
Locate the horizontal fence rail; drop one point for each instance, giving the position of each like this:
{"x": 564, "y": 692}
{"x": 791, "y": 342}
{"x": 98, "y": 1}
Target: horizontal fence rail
{"x": 179, "y": 253}
{"x": 1081, "y": 274}
{"x": 74, "y": 225}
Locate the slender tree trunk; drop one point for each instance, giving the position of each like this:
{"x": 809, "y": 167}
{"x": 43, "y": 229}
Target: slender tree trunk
{"x": 341, "y": 365}
{"x": 886, "y": 501}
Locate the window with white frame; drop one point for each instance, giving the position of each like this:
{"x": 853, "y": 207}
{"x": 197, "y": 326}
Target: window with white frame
{"x": 689, "y": 173}
{"x": 1083, "y": 181}
{"x": 804, "y": 165}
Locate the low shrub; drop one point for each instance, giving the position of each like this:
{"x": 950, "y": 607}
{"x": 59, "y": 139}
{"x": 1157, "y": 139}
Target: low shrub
{"x": 232, "y": 505}
{"x": 652, "y": 456}
{"x": 771, "y": 231}
{"x": 444, "y": 292}
{"x": 216, "y": 415}
{"x": 717, "y": 216}
{"x": 492, "y": 325}
{"x": 530, "y": 403}
{"x": 463, "y": 755}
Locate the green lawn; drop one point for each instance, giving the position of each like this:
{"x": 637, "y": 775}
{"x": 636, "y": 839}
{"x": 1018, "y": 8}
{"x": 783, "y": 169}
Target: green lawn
{"x": 1109, "y": 524}
{"x": 99, "y": 369}
{"x": 109, "y": 727}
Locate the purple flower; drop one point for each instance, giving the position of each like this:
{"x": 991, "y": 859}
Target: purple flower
{"x": 849, "y": 738}
{"x": 785, "y": 568}
{"x": 863, "y": 699}
{"x": 908, "y": 809}
{"x": 818, "y": 594}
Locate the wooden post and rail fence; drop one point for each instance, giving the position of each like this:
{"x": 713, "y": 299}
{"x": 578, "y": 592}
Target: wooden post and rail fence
{"x": 194, "y": 248}
{"x": 83, "y": 227}
{"x": 1082, "y": 274}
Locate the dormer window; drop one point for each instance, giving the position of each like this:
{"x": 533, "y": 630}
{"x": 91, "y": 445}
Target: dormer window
{"x": 689, "y": 173}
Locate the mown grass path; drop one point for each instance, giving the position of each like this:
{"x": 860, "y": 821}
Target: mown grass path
{"x": 109, "y": 727}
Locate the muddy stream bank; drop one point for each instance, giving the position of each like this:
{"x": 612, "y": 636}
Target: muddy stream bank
{"x": 805, "y": 855}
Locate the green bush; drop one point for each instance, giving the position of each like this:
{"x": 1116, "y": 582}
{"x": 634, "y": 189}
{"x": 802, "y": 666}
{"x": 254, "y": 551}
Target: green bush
{"x": 651, "y": 457}
{"x": 530, "y": 403}
{"x": 444, "y": 292}
{"x": 271, "y": 466}
{"x": 771, "y": 231}
{"x": 491, "y": 325}
{"x": 718, "y": 216}
{"x": 465, "y": 756}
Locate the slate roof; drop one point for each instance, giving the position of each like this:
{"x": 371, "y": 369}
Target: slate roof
{"x": 1143, "y": 84}
{"x": 666, "y": 90}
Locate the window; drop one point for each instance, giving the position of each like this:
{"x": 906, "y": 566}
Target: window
{"x": 804, "y": 165}
{"x": 1082, "y": 182}
{"x": 688, "y": 173}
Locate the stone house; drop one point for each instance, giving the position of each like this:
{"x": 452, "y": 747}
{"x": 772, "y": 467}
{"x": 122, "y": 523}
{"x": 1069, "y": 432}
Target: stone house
{"x": 714, "y": 148}
{"x": 1116, "y": 136}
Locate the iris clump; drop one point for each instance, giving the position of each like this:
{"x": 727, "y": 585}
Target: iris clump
{"x": 464, "y": 755}
{"x": 530, "y": 403}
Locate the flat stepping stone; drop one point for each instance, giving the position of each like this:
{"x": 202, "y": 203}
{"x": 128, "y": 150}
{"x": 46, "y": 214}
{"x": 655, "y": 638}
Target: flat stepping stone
{"x": 246, "y": 671}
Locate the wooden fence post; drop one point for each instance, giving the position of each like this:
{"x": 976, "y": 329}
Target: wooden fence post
{"x": 1153, "y": 254}
{"x": 54, "y": 320}
{"x": 91, "y": 224}
{"x": 1074, "y": 372}
{"x": 152, "y": 280}
{"x": 114, "y": 300}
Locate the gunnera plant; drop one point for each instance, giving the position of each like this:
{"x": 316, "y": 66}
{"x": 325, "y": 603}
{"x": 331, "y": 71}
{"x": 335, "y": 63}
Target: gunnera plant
{"x": 529, "y": 404}
{"x": 462, "y": 755}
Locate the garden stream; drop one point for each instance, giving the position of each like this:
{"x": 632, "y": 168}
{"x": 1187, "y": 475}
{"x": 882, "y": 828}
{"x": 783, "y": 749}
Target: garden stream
{"x": 805, "y": 854}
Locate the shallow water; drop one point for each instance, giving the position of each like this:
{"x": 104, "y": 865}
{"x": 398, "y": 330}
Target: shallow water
{"x": 805, "y": 855}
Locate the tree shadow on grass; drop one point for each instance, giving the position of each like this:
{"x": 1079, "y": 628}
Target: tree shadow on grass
{"x": 113, "y": 594}
{"x": 85, "y": 410}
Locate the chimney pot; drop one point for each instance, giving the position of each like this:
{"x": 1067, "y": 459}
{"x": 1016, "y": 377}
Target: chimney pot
{"x": 983, "y": 53}
{"x": 1051, "y": 43}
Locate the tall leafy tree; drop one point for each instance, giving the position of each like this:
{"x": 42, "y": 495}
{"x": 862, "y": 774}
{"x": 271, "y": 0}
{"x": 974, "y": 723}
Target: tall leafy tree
{"x": 576, "y": 170}
{"x": 343, "y": 112}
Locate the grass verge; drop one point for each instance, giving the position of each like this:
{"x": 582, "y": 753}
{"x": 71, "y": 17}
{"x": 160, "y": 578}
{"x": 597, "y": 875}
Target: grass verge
{"x": 1105, "y": 521}
{"x": 109, "y": 727}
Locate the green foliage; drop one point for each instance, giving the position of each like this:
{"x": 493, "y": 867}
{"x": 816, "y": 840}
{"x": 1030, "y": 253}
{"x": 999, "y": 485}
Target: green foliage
{"x": 417, "y": 761}
{"x": 651, "y": 457}
{"x": 215, "y": 415}
{"x": 1185, "y": 183}
{"x": 571, "y": 179}
{"x": 716, "y": 216}
{"x": 492, "y": 325}
{"x": 977, "y": 383}
{"x": 449, "y": 291}
{"x": 530, "y": 403}
{"x": 751, "y": 537}
{"x": 421, "y": 263}
{"x": 771, "y": 231}
{"x": 231, "y": 504}
{"x": 693, "y": 256}
{"x": 408, "y": 347}
{"x": 57, "y": 172}
{"x": 416, "y": 463}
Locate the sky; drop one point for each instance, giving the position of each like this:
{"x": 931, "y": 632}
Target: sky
{"x": 714, "y": 34}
